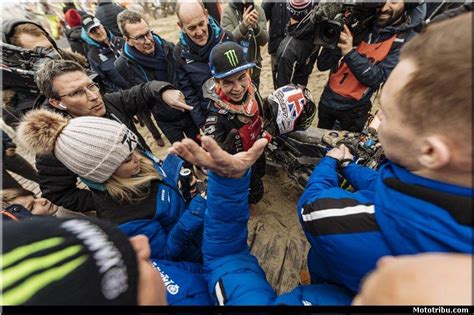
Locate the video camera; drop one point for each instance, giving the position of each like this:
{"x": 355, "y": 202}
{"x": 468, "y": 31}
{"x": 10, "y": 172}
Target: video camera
{"x": 19, "y": 66}
{"x": 329, "y": 20}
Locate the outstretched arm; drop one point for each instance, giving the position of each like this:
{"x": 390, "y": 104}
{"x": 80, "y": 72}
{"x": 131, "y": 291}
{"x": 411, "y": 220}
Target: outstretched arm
{"x": 234, "y": 275}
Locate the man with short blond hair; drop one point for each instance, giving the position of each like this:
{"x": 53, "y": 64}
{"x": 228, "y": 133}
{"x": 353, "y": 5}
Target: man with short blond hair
{"x": 421, "y": 199}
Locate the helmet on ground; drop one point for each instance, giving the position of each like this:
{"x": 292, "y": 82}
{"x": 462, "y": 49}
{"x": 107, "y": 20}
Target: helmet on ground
{"x": 290, "y": 108}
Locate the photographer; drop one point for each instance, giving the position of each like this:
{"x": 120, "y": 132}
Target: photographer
{"x": 32, "y": 36}
{"x": 362, "y": 69}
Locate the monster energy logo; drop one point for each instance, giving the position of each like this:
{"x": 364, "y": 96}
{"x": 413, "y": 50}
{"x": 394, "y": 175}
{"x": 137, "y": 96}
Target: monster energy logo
{"x": 26, "y": 275}
{"x": 232, "y": 57}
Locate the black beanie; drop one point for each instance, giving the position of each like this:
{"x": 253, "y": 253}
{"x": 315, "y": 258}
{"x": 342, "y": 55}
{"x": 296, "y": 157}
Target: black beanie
{"x": 51, "y": 261}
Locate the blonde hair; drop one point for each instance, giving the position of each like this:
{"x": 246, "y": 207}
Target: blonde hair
{"x": 133, "y": 189}
{"x": 8, "y": 196}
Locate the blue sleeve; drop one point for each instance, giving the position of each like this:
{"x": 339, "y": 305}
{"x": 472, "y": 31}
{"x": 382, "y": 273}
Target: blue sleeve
{"x": 190, "y": 222}
{"x": 170, "y": 245}
{"x": 360, "y": 177}
{"x": 225, "y": 227}
{"x": 234, "y": 275}
{"x": 316, "y": 294}
{"x": 369, "y": 74}
{"x": 324, "y": 177}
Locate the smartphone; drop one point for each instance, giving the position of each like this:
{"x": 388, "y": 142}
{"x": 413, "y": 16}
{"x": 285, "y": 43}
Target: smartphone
{"x": 248, "y": 3}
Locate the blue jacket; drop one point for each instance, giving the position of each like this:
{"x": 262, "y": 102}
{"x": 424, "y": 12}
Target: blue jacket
{"x": 392, "y": 212}
{"x": 234, "y": 275}
{"x": 175, "y": 230}
{"x": 369, "y": 74}
{"x": 194, "y": 69}
{"x": 230, "y": 274}
{"x": 102, "y": 58}
{"x": 184, "y": 281}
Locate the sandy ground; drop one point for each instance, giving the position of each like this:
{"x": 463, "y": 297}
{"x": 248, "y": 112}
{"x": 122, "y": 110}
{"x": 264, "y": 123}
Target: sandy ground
{"x": 275, "y": 235}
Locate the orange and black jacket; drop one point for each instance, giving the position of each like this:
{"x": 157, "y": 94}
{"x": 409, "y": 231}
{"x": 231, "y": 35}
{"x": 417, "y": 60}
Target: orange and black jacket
{"x": 356, "y": 76}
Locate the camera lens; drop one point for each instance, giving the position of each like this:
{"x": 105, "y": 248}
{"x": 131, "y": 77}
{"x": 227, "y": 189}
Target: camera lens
{"x": 328, "y": 33}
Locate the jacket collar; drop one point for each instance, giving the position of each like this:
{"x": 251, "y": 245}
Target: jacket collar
{"x": 455, "y": 199}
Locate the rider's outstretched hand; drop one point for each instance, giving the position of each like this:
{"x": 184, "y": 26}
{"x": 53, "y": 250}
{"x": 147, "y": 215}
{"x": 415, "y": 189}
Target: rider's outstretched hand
{"x": 214, "y": 158}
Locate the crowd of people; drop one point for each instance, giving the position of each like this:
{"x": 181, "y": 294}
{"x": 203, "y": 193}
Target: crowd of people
{"x": 173, "y": 231}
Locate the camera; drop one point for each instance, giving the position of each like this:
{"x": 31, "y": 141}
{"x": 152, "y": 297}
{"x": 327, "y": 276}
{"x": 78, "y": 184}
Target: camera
{"x": 19, "y": 66}
{"x": 357, "y": 16}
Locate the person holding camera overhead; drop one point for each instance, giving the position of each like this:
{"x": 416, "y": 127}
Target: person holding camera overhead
{"x": 358, "y": 70}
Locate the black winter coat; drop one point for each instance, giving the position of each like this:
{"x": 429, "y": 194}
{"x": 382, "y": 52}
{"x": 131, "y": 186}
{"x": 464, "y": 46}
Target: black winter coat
{"x": 107, "y": 13}
{"x": 277, "y": 15}
{"x": 194, "y": 69}
{"x": 73, "y": 36}
{"x": 135, "y": 74}
{"x": 296, "y": 56}
{"x": 58, "y": 184}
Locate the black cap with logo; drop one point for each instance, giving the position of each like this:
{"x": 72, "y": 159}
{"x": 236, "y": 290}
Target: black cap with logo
{"x": 227, "y": 59}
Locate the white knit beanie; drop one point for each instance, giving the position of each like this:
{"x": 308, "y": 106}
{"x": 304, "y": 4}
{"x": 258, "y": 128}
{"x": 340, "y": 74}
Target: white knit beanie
{"x": 91, "y": 147}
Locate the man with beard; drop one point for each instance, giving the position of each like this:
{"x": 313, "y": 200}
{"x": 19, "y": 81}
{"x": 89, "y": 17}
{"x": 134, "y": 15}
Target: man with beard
{"x": 199, "y": 34}
{"x": 362, "y": 69}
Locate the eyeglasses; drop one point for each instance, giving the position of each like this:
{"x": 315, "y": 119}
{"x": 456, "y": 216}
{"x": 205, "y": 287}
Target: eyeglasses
{"x": 92, "y": 87}
{"x": 142, "y": 38}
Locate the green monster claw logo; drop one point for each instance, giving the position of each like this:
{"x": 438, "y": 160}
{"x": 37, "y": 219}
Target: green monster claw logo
{"x": 232, "y": 57}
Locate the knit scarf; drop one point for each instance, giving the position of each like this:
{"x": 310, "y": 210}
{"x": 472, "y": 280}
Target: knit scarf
{"x": 157, "y": 61}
